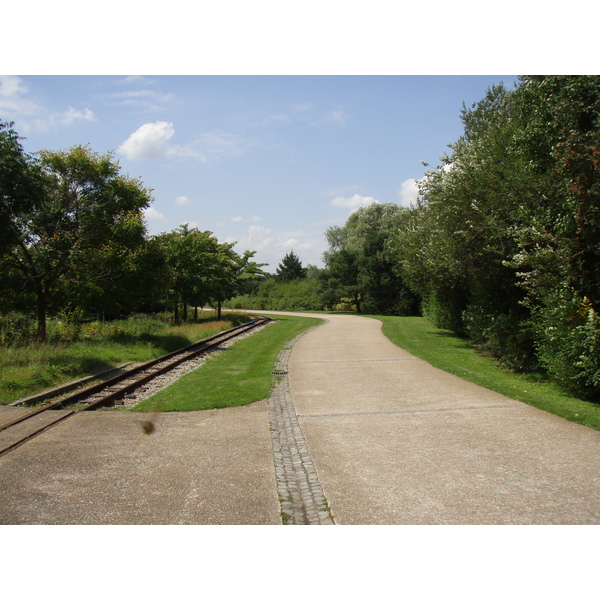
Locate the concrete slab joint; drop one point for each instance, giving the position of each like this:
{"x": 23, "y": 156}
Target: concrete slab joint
{"x": 300, "y": 493}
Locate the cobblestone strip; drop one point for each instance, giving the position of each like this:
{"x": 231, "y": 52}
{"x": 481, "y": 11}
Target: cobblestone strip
{"x": 300, "y": 494}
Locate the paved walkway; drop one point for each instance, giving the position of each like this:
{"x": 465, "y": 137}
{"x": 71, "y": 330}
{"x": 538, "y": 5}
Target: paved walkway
{"x": 364, "y": 429}
{"x": 396, "y": 441}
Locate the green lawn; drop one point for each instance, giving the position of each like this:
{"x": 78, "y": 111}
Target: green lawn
{"x": 26, "y": 370}
{"x": 455, "y": 355}
{"x": 240, "y": 375}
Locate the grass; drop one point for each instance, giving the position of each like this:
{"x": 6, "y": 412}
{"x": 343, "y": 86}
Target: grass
{"x": 448, "y": 352}
{"x": 28, "y": 369}
{"x": 238, "y": 376}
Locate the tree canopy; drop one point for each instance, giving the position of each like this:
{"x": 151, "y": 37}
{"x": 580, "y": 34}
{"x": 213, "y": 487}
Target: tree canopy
{"x": 73, "y": 239}
{"x": 290, "y": 268}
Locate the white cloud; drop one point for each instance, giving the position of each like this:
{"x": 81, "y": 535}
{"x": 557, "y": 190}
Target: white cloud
{"x": 219, "y": 144}
{"x": 73, "y": 115}
{"x": 334, "y": 118}
{"x": 295, "y": 244}
{"x": 341, "y": 191}
{"x": 153, "y": 215}
{"x": 300, "y": 107}
{"x": 149, "y": 141}
{"x": 12, "y": 92}
{"x": 252, "y": 219}
{"x": 28, "y": 114}
{"x": 152, "y": 140}
{"x": 409, "y": 193}
{"x": 258, "y": 238}
{"x": 353, "y": 202}
{"x": 337, "y": 117}
{"x": 181, "y": 200}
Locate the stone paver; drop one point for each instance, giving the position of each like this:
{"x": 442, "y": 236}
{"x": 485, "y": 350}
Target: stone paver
{"x": 301, "y": 496}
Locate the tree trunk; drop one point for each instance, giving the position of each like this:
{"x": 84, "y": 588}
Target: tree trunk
{"x": 176, "y": 312}
{"x": 219, "y": 309}
{"x": 42, "y": 303}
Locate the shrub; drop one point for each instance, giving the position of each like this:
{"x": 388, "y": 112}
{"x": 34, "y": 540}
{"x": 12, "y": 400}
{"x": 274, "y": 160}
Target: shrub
{"x": 568, "y": 342}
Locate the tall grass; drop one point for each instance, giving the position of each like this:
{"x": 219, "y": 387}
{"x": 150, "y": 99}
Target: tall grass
{"x": 29, "y": 368}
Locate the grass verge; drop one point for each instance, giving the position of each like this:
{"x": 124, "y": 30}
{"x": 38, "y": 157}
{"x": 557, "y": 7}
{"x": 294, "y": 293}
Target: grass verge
{"x": 240, "y": 375}
{"x": 448, "y": 352}
{"x": 29, "y": 369}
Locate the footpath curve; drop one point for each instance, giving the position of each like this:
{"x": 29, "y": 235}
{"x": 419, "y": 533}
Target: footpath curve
{"x": 374, "y": 436}
{"x": 397, "y": 441}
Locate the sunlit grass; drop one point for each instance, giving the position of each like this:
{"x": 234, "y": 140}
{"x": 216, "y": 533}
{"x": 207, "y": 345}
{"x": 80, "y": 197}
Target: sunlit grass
{"x": 29, "y": 369}
{"x": 238, "y": 376}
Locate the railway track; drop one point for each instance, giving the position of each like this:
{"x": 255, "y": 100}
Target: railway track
{"x": 111, "y": 391}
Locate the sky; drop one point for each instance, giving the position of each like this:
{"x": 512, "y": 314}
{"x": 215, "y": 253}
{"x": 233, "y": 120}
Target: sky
{"x": 267, "y": 161}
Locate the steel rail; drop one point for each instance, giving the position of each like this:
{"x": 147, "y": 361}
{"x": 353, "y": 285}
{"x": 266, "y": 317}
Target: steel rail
{"x": 170, "y": 361}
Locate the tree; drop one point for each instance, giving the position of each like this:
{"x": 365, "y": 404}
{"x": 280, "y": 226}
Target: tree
{"x": 290, "y": 268}
{"x": 360, "y": 266}
{"x": 22, "y": 185}
{"x": 505, "y": 245}
{"x": 80, "y": 230}
{"x": 232, "y": 272}
{"x": 203, "y": 270}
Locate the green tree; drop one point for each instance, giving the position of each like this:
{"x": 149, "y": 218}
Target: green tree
{"x": 559, "y": 243}
{"x": 78, "y": 232}
{"x": 360, "y": 266}
{"x": 290, "y": 268}
{"x": 232, "y": 272}
{"x": 204, "y": 270}
{"x": 22, "y": 185}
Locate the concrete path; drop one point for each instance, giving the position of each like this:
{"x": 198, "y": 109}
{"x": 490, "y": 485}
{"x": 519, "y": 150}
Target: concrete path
{"x": 211, "y": 467}
{"x": 396, "y": 441}
{"x": 368, "y": 430}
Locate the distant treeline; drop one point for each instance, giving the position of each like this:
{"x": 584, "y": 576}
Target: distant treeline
{"x": 503, "y": 246}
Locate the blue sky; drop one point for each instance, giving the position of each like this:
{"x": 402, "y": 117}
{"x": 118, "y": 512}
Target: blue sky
{"x": 269, "y": 161}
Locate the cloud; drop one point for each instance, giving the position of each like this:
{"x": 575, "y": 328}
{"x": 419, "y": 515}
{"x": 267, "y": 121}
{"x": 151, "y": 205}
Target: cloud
{"x": 409, "y": 193}
{"x": 72, "y": 115}
{"x": 302, "y": 107}
{"x": 153, "y": 215}
{"x": 252, "y": 219}
{"x": 337, "y": 117}
{"x": 29, "y": 114}
{"x": 295, "y": 244}
{"x": 334, "y": 118}
{"x": 258, "y": 238}
{"x": 151, "y": 141}
{"x": 219, "y": 144}
{"x": 12, "y": 100}
{"x": 353, "y": 202}
{"x": 181, "y": 200}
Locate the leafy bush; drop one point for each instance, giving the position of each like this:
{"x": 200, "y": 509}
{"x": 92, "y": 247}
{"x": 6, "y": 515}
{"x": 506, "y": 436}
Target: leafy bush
{"x": 568, "y": 341}
{"x": 296, "y": 295}
{"x": 507, "y": 336}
